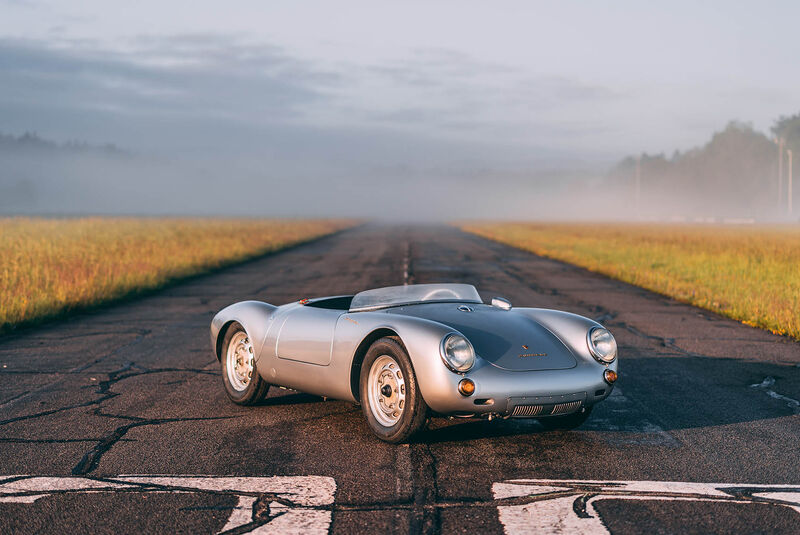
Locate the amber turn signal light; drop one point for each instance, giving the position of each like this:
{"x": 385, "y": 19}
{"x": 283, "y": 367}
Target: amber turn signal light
{"x": 466, "y": 387}
{"x": 610, "y": 376}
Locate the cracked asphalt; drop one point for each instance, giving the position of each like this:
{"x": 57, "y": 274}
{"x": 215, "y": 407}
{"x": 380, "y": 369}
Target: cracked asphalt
{"x": 134, "y": 388}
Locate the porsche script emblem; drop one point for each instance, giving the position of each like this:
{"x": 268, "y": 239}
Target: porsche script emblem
{"x": 525, "y": 355}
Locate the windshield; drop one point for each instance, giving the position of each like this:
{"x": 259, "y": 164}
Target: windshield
{"x": 414, "y": 293}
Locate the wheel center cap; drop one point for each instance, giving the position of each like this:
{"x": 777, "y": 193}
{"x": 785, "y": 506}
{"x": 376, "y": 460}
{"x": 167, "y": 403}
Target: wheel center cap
{"x": 386, "y": 390}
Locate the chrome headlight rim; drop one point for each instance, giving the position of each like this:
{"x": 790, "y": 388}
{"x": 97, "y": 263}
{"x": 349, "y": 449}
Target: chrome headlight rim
{"x": 599, "y": 357}
{"x": 464, "y": 368}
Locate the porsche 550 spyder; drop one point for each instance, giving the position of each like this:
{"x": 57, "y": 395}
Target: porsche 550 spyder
{"x": 407, "y": 352}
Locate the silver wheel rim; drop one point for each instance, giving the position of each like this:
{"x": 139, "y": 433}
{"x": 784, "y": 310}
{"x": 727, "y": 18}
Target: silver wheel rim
{"x": 386, "y": 389}
{"x": 239, "y": 361}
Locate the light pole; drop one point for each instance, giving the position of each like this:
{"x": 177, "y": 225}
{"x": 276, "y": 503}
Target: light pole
{"x": 780, "y": 141}
{"x": 789, "y": 192}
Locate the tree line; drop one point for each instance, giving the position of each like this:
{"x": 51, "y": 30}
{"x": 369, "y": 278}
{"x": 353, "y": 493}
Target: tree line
{"x": 30, "y": 141}
{"x": 735, "y": 174}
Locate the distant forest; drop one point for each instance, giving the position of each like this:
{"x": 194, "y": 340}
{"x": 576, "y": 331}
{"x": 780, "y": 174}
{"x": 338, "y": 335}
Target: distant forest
{"x": 39, "y": 176}
{"x": 733, "y": 175}
{"x": 32, "y": 142}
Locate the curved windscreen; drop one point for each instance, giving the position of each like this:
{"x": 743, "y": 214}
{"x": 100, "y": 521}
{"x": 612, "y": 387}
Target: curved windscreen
{"x": 412, "y": 294}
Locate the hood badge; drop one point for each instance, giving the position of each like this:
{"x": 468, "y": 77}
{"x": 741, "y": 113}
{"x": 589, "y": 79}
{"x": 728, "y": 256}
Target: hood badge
{"x": 525, "y": 355}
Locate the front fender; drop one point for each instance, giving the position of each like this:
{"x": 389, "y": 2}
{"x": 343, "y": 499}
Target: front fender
{"x": 422, "y": 339}
{"x": 254, "y": 316}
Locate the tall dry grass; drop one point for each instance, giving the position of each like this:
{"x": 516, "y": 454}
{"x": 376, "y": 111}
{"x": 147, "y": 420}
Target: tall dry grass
{"x": 51, "y": 266}
{"x": 749, "y": 273}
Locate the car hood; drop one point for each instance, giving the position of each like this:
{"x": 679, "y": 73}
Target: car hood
{"x": 504, "y": 338}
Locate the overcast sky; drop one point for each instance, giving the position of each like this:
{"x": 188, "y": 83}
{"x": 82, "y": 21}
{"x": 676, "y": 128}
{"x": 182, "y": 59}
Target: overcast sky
{"x": 462, "y": 90}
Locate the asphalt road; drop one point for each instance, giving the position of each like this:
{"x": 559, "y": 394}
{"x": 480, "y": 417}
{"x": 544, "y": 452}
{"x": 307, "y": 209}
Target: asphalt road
{"x": 134, "y": 389}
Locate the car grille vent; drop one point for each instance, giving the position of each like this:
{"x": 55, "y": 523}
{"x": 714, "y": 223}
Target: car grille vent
{"x": 527, "y": 410}
{"x": 566, "y": 408}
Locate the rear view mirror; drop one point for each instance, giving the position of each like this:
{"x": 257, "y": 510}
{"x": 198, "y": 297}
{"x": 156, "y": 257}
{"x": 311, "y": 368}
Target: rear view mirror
{"x": 501, "y": 303}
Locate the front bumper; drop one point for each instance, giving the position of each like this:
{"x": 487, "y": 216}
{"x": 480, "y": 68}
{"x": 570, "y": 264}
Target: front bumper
{"x": 531, "y": 394}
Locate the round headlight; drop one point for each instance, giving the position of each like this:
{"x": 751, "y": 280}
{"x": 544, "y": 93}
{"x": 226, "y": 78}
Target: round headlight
{"x": 602, "y": 345}
{"x": 457, "y": 353}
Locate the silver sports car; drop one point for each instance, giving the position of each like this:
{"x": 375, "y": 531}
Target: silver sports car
{"x": 406, "y": 352}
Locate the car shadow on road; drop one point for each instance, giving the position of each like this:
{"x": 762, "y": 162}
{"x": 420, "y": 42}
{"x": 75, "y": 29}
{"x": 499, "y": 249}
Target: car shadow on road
{"x": 654, "y": 394}
{"x": 289, "y": 398}
{"x": 441, "y": 430}
{"x": 683, "y": 392}
{"x": 657, "y": 394}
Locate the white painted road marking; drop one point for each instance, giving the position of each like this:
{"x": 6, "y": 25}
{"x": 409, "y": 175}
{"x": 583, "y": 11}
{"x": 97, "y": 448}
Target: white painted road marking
{"x": 304, "y": 504}
{"x": 298, "y": 506}
{"x": 567, "y": 506}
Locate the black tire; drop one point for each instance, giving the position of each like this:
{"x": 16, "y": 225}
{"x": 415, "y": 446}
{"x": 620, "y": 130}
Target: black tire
{"x": 414, "y": 412}
{"x": 565, "y": 423}
{"x": 256, "y": 388}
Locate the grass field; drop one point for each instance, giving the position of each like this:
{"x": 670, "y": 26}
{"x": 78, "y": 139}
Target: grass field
{"x": 751, "y": 274}
{"x": 51, "y": 266}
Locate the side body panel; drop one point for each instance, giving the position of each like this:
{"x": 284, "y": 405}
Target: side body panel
{"x": 306, "y": 335}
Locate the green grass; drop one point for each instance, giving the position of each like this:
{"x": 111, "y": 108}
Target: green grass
{"x": 748, "y": 273}
{"x": 49, "y": 267}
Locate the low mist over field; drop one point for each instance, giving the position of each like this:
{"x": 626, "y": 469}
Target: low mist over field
{"x": 400, "y": 111}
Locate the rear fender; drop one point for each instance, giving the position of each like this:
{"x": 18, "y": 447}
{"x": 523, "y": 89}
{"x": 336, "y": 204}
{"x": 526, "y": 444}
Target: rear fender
{"x": 254, "y": 316}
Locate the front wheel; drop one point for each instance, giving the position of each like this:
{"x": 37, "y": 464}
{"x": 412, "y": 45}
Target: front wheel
{"x": 570, "y": 421}
{"x": 390, "y": 396}
{"x": 239, "y": 374}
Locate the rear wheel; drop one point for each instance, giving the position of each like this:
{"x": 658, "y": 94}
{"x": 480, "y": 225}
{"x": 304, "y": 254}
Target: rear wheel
{"x": 243, "y": 384}
{"x": 390, "y": 397}
{"x": 570, "y": 421}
